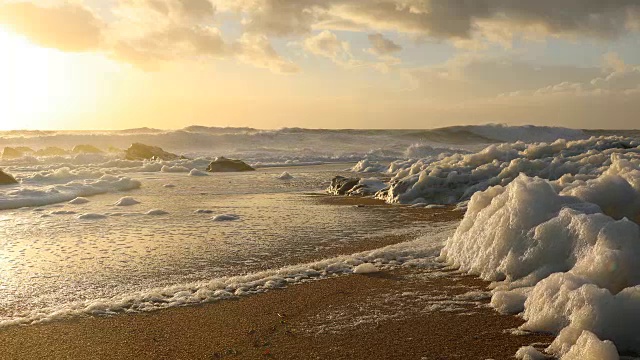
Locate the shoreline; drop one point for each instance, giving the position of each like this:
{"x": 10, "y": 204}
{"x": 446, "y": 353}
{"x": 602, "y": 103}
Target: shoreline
{"x": 313, "y": 320}
{"x": 404, "y": 313}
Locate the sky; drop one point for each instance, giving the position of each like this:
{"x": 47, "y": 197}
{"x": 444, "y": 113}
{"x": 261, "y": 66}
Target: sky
{"x": 114, "y": 64}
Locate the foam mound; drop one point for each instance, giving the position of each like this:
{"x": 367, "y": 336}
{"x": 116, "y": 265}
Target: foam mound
{"x": 79, "y": 201}
{"x": 284, "y": 176}
{"x": 126, "y": 201}
{"x": 456, "y": 178}
{"x": 366, "y": 268}
{"x": 92, "y": 216}
{"x": 226, "y": 217}
{"x": 563, "y": 252}
{"x": 196, "y": 172}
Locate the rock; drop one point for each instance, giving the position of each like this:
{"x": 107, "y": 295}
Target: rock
{"x": 51, "y": 151}
{"x": 138, "y": 151}
{"x": 222, "y": 164}
{"x": 24, "y": 149}
{"x": 6, "y": 179}
{"x": 86, "y": 149}
{"x": 11, "y": 153}
{"x": 341, "y": 185}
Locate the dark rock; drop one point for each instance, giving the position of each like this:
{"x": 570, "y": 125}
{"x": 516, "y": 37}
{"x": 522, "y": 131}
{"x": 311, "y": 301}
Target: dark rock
{"x": 51, "y": 151}
{"x": 222, "y": 164}
{"x": 86, "y": 149}
{"x": 6, "y": 179}
{"x": 341, "y": 185}
{"x": 11, "y": 153}
{"x": 138, "y": 151}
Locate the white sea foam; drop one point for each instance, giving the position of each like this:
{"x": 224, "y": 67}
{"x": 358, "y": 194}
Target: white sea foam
{"x": 369, "y": 166}
{"x": 196, "y": 172}
{"x": 420, "y": 252}
{"x": 225, "y": 217}
{"x": 79, "y": 201}
{"x": 63, "y": 212}
{"x": 92, "y": 216}
{"x": 284, "y": 176}
{"x": 564, "y": 252}
{"x": 175, "y": 169}
{"x": 366, "y": 268}
{"x": 30, "y": 196}
{"x": 529, "y": 353}
{"x": 126, "y": 201}
{"x": 455, "y": 178}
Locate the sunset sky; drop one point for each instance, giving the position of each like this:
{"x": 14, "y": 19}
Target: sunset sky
{"x": 112, "y": 64}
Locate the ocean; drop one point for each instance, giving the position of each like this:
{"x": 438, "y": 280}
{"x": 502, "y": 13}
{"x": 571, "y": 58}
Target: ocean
{"x": 548, "y": 211}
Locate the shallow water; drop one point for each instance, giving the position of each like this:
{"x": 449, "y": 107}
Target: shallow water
{"x": 49, "y": 257}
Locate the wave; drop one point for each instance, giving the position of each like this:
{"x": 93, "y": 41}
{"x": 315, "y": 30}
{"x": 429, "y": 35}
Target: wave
{"x": 18, "y": 196}
{"x": 418, "y": 252}
{"x": 266, "y": 145}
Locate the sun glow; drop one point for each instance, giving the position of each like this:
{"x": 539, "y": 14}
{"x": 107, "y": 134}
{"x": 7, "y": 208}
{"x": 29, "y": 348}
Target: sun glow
{"x": 42, "y": 88}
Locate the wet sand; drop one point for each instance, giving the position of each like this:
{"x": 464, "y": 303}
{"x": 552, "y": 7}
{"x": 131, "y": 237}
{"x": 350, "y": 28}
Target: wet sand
{"x": 286, "y": 324}
{"x": 407, "y": 313}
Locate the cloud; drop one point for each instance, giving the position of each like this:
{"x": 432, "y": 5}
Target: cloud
{"x": 282, "y": 17}
{"x": 176, "y": 9}
{"x": 257, "y": 50}
{"x": 68, "y": 27}
{"x": 144, "y": 33}
{"x": 170, "y": 43}
{"x": 326, "y": 44}
{"x": 620, "y": 80}
{"x": 613, "y": 61}
{"x": 491, "y": 20}
{"x": 381, "y": 45}
{"x": 467, "y": 77}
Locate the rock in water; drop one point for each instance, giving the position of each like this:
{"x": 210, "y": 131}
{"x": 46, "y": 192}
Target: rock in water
{"x": 222, "y": 164}
{"x": 11, "y": 153}
{"x": 51, "y": 151}
{"x": 138, "y": 151}
{"x": 6, "y": 179}
{"x": 86, "y": 149}
{"x": 25, "y": 149}
{"x": 341, "y": 185}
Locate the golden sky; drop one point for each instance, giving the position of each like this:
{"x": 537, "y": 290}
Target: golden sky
{"x": 113, "y": 64}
